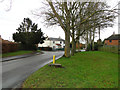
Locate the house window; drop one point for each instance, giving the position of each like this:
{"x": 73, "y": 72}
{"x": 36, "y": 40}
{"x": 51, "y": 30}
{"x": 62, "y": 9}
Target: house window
{"x": 53, "y": 41}
{"x": 110, "y": 40}
{"x": 60, "y": 42}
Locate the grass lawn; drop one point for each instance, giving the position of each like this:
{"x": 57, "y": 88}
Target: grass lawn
{"x": 84, "y": 70}
{"x": 16, "y": 53}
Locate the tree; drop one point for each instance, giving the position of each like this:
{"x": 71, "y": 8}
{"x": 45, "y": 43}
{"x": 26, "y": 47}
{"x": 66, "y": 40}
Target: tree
{"x": 103, "y": 17}
{"x": 59, "y": 13}
{"x": 28, "y": 35}
{"x": 76, "y": 18}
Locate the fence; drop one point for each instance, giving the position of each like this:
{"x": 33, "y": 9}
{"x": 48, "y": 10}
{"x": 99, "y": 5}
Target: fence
{"x": 113, "y": 49}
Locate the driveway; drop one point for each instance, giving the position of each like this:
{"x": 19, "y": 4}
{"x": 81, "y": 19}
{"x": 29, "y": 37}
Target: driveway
{"x": 16, "y": 71}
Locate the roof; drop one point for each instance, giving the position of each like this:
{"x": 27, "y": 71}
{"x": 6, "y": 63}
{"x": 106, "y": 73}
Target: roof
{"x": 56, "y": 39}
{"x": 58, "y": 44}
{"x": 5, "y": 41}
{"x": 114, "y": 37}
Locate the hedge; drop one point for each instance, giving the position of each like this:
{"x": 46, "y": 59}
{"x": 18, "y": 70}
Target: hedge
{"x": 9, "y": 47}
{"x": 113, "y": 49}
{"x": 45, "y": 48}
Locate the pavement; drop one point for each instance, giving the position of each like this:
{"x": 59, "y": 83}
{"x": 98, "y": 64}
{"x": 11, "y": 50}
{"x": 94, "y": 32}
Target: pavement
{"x": 15, "y": 71}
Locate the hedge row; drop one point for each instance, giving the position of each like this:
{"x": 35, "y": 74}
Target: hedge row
{"x": 9, "y": 47}
{"x": 113, "y": 49}
{"x": 45, "y": 48}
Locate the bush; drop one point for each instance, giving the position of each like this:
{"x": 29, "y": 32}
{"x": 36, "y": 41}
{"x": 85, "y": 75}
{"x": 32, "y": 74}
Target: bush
{"x": 89, "y": 47}
{"x": 27, "y": 47}
{"x": 96, "y": 46}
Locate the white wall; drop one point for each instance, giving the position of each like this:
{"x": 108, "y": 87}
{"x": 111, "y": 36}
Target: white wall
{"x": 48, "y": 43}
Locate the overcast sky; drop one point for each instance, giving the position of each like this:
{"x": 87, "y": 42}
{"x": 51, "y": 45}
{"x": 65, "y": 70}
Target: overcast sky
{"x": 9, "y": 21}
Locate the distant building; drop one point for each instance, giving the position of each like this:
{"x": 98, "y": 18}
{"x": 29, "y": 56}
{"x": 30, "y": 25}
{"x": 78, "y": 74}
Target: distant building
{"x": 80, "y": 45}
{"x": 54, "y": 43}
{"x": 113, "y": 40}
{"x": 4, "y": 41}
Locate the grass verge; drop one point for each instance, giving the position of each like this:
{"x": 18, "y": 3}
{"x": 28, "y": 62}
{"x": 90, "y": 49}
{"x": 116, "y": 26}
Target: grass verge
{"x": 16, "y": 53}
{"x": 83, "y": 70}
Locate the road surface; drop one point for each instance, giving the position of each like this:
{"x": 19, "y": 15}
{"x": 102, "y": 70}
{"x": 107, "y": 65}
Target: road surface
{"x": 16, "y": 71}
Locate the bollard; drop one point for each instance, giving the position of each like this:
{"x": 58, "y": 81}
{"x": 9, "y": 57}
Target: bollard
{"x": 53, "y": 59}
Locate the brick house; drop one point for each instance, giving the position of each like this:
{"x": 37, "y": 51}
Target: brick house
{"x": 80, "y": 45}
{"x": 113, "y": 40}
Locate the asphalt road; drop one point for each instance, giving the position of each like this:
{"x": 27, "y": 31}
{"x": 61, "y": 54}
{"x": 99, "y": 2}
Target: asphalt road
{"x": 16, "y": 71}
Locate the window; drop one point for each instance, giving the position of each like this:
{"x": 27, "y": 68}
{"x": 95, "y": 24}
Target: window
{"x": 110, "y": 40}
{"x": 53, "y": 41}
{"x": 60, "y": 42}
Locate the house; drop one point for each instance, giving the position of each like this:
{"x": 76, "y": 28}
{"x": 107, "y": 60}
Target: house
{"x": 113, "y": 40}
{"x": 80, "y": 45}
{"x": 54, "y": 43}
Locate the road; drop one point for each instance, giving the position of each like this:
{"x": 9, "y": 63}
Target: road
{"x": 16, "y": 71}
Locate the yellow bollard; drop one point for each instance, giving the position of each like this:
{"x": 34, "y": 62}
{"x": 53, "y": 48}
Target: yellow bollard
{"x": 53, "y": 59}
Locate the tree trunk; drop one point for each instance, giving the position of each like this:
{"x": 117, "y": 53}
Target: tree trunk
{"x": 75, "y": 47}
{"x": 73, "y": 43}
{"x": 90, "y": 40}
{"x": 67, "y": 32}
{"x": 87, "y": 40}
{"x": 72, "y": 51}
{"x": 67, "y": 43}
{"x": 99, "y": 32}
{"x": 78, "y": 45}
{"x": 93, "y": 38}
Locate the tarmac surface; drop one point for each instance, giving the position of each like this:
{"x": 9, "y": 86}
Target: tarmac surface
{"x": 16, "y": 69}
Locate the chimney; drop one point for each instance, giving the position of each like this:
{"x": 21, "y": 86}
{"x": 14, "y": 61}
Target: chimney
{"x": 113, "y": 33}
{"x": 59, "y": 37}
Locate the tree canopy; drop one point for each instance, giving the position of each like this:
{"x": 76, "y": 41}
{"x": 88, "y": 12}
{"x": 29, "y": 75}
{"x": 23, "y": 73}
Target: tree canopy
{"x": 77, "y": 19}
{"x": 28, "y": 35}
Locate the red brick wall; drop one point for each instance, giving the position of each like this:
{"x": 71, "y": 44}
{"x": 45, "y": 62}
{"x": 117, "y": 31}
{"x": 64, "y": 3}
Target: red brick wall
{"x": 113, "y": 42}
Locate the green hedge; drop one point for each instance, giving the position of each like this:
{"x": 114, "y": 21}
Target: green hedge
{"x": 113, "y": 49}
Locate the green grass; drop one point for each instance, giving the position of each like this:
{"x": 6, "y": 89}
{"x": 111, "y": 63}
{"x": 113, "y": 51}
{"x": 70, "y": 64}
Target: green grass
{"x": 16, "y": 53}
{"x": 83, "y": 70}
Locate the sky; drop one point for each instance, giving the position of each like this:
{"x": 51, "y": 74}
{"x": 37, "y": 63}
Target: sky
{"x": 10, "y": 20}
